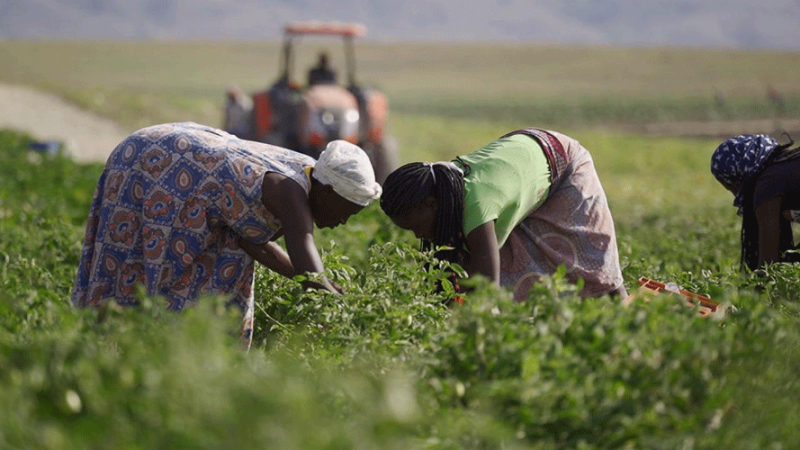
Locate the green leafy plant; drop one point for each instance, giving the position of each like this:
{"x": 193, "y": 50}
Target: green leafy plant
{"x": 387, "y": 364}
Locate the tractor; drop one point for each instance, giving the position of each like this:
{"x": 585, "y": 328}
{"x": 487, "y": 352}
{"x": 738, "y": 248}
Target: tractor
{"x": 305, "y": 117}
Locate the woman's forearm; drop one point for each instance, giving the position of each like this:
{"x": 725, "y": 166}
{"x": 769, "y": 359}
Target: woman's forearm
{"x": 274, "y": 258}
{"x": 270, "y": 255}
{"x": 769, "y": 231}
{"x": 484, "y": 253}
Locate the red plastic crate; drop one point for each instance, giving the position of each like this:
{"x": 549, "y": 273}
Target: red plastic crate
{"x": 704, "y": 304}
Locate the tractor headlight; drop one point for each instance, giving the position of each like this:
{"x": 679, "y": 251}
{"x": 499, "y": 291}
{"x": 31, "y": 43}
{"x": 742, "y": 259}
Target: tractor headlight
{"x": 349, "y": 127}
{"x": 351, "y": 116}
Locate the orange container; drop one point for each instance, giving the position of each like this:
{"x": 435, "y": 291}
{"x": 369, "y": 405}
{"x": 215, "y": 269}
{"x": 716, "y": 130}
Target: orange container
{"x": 704, "y": 304}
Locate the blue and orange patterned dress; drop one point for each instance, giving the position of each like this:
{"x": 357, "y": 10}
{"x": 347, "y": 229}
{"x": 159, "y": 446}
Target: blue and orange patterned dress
{"x": 168, "y": 212}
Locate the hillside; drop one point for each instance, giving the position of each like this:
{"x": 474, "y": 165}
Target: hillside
{"x": 731, "y": 23}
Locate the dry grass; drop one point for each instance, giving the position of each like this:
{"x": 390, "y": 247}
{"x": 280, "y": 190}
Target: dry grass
{"x": 416, "y": 70}
{"x": 140, "y": 83}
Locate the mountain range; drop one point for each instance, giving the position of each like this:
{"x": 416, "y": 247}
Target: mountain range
{"x": 767, "y": 24}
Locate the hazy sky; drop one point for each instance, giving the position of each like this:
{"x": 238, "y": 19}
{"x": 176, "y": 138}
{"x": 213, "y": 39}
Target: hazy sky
{"x": 729, "y": 23}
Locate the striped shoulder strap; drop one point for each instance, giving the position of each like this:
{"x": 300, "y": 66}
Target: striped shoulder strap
{"x": 552, "y": 147}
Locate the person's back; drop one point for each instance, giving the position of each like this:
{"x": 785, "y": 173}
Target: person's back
{"x": 186, "y": 190}
{"x": 321, "y": 73}
{"x": 553, "y": 193}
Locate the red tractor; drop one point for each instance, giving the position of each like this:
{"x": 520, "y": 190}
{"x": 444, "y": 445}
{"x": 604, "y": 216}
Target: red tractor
{"x": 305, "y": 117}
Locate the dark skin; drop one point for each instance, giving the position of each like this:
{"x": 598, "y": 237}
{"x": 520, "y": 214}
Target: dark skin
{"x": 769, "y": 229}
{"x": 298, "y": 212}
{"x": 484, "y": 253}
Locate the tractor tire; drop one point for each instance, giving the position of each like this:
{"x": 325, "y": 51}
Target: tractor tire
{"x": 384, "y": 157}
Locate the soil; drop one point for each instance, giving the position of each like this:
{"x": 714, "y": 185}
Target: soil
{"x": 46, "y": 117}
{"x": 90, "y": 138}
{"x": 721, "y": 129}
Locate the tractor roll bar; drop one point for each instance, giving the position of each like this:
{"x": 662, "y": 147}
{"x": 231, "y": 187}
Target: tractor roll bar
{"x": 346, "y": 30}
{"x": 327, "y": 28}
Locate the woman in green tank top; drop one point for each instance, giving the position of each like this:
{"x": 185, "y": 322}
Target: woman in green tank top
{"x": 513, "y": 211}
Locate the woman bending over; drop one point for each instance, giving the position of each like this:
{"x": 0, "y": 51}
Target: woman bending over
{"x": 183, "y": 210}
{"x": 764, "y": 178}
{"x": 513, "y": 211}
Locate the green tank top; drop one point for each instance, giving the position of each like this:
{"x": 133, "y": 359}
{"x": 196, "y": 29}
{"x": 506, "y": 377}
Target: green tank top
{"x": 508, "y": 178}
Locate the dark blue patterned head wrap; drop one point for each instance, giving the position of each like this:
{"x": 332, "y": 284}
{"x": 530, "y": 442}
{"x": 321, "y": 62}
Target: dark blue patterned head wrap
{"x": 739, "y": 160}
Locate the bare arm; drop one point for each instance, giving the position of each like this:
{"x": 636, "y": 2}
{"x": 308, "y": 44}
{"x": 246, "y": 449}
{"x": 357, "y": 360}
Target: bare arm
{"x": 271, "y": 255}
{"x": 289, "y": 202}
{"x": 484, "y": 253}
{"x": 769, "y": 230}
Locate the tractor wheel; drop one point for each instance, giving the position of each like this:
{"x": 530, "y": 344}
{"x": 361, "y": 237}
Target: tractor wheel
{"x": 384, "y": 157}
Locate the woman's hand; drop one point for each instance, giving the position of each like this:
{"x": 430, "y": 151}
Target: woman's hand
{"x": 274, "y": 258}
{"x": 325, "y": 284}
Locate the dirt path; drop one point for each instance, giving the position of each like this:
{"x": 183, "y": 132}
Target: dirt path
{"x": 87, "y": 137}
{"x": 90, "y": 138}
{"x": 721, "y": 129}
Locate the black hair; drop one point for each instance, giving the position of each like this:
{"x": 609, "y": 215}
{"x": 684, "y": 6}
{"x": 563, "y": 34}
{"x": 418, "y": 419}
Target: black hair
{"x": 407, "y": 188}
{"x": 749, "y": 234}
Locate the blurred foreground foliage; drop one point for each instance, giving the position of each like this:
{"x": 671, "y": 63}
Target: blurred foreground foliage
{"x": 387, "y": 365}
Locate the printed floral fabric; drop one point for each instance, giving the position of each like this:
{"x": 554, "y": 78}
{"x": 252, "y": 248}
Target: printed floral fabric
{"x": 573, "y": 227}
{"x": 168, "y": 212}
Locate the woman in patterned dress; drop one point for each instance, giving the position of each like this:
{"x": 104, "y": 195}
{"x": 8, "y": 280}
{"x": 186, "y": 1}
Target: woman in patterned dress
{"x": 184, "y": 209}
{"x": 512, "y": 211}
{"x": 764, "y": 178}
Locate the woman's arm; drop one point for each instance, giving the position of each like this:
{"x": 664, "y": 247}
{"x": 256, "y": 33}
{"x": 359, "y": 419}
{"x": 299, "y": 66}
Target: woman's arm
{"x": 289, "y": 202}
{"x": 769, "y": 230}
{"x": 271, "y": 255}
{"x": 484, "y": 253}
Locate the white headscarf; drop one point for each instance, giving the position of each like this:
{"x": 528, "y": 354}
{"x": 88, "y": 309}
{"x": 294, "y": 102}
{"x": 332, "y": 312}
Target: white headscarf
{"x": 347, "y": 168}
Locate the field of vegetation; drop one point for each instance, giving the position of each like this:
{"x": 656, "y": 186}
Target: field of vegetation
{"x": 386, "y": 365}
{"x": 141, "y": 83}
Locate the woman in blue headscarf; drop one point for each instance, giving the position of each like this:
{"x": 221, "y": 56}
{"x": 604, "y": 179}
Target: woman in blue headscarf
{"x": 764, "y": 177}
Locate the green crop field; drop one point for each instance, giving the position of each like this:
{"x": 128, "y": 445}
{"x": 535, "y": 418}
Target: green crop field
{"x": 386, "y": 365}
{"x": 138, "y": 84}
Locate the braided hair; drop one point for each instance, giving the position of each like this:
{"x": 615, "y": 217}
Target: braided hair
{"x": 407, "y": 188}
